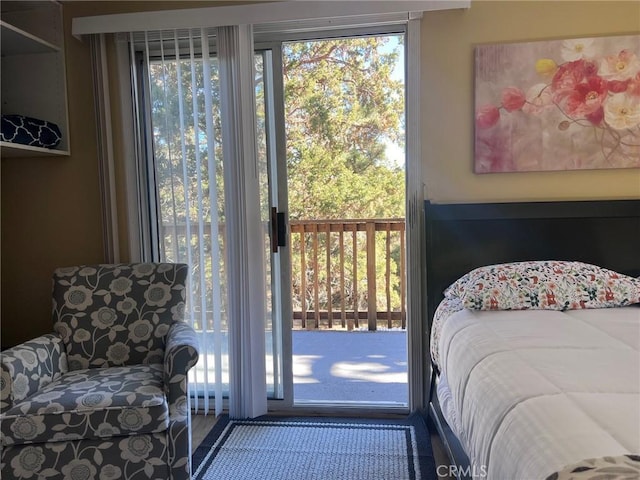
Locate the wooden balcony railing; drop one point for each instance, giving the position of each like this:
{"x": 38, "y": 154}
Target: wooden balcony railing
{"x": 345, "y": 273}
{"x": 340, "y": 277}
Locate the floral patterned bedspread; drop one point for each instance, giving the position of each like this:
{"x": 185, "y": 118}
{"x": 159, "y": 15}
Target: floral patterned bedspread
{"x": 624, "y": 467}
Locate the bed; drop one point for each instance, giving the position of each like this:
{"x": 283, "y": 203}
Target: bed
{"x": 545, "y": 392}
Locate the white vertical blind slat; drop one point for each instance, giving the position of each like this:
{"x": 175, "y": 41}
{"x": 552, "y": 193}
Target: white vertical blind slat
{"x": 187, "y": 201}
{"x": 200, "y": 220}
{"x": 170, "y": 155}
{"x": 214, "y": 224}
{"x": 245, "y": 270}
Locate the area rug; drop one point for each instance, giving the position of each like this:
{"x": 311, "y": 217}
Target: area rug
{"x": 279, "y": 448}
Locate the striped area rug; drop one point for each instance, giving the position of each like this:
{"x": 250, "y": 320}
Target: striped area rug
{"x": 277, "y": 448}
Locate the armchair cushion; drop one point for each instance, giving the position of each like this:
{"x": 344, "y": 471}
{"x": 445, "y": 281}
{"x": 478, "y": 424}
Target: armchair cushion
{"x": 91, "y": 404}
{"x": 115, "y": 315}
{"x": 28, "y": 367}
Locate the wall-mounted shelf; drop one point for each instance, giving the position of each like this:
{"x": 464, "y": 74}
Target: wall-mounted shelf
{"x": 33, "y": 70}
{"x": 13, "y": 150}
{"x": 18, "y": 42}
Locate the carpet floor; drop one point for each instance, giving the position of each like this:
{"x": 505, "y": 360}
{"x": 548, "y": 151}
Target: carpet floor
{"x": 313, "y": 448}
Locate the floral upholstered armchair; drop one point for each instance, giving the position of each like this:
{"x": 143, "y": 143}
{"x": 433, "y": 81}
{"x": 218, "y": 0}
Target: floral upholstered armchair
{"x": 106, "y": 395}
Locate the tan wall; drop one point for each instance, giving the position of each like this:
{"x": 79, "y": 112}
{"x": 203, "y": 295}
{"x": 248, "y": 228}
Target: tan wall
{"x": 51, "y": 212}
{"x": 448, "y": 39}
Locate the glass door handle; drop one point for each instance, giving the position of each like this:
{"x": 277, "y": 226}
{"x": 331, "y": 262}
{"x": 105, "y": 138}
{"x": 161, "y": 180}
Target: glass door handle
{"x": 278, "y": 230}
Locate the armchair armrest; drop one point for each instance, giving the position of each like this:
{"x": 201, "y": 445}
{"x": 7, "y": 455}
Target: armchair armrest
{"x": 26, "y": 368}
{"x": 181, "y": 353}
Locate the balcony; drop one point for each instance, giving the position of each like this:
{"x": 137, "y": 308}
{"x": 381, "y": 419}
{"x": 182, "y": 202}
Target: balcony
{"x": 335, "y": 292}
{"x": 349, "y": 333}
{"x": 348, "y": 273}
{"x": 348, "y": 280}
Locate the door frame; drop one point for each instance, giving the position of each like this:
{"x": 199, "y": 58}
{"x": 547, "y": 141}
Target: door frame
{"x": 414, "y": 207}
{"x": 415, "y": 196}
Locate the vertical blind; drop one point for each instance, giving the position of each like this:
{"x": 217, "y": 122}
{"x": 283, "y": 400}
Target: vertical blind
{"x": 182, "y": 105}
{"x": 197, "y": 111}
{"x": 245, "y": 233}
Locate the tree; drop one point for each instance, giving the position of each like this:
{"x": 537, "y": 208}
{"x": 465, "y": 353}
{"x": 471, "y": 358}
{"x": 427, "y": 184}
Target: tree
{"x": 182, "y": 164}
{"x": 342, "y": 108}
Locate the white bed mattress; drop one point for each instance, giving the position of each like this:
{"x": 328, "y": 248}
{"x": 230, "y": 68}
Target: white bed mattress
{"x": 536, "y": 390}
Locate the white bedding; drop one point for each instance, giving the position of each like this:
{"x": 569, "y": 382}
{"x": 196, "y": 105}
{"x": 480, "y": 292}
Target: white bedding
{"x": 536, "y": 390}
{"x": 445, "y": 400}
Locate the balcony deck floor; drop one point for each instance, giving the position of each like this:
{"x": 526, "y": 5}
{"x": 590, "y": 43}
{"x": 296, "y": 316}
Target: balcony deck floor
{"x": 346, "y": 367}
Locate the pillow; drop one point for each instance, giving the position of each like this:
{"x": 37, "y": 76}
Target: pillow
{"x": 547, "y": 285}
{"x": 456, "y": 289}
{"x": 30, "y": 131}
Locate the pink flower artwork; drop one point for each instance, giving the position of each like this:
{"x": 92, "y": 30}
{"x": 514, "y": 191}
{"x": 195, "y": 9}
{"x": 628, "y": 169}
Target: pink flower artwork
{"x": 558, "y": 105}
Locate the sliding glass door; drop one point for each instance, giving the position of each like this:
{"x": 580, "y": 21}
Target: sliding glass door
{"x": 331, "y": 115}
{"x": 182, "y": 95}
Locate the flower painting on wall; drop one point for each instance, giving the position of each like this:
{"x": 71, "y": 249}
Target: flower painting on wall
{"x": 558, "y": 105}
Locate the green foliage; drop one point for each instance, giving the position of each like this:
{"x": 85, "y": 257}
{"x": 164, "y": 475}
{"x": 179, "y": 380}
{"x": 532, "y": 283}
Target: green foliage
{"x": 342, "y": 108}
{"x": 188, "y": 175}
{"x": 342, "y": 105}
